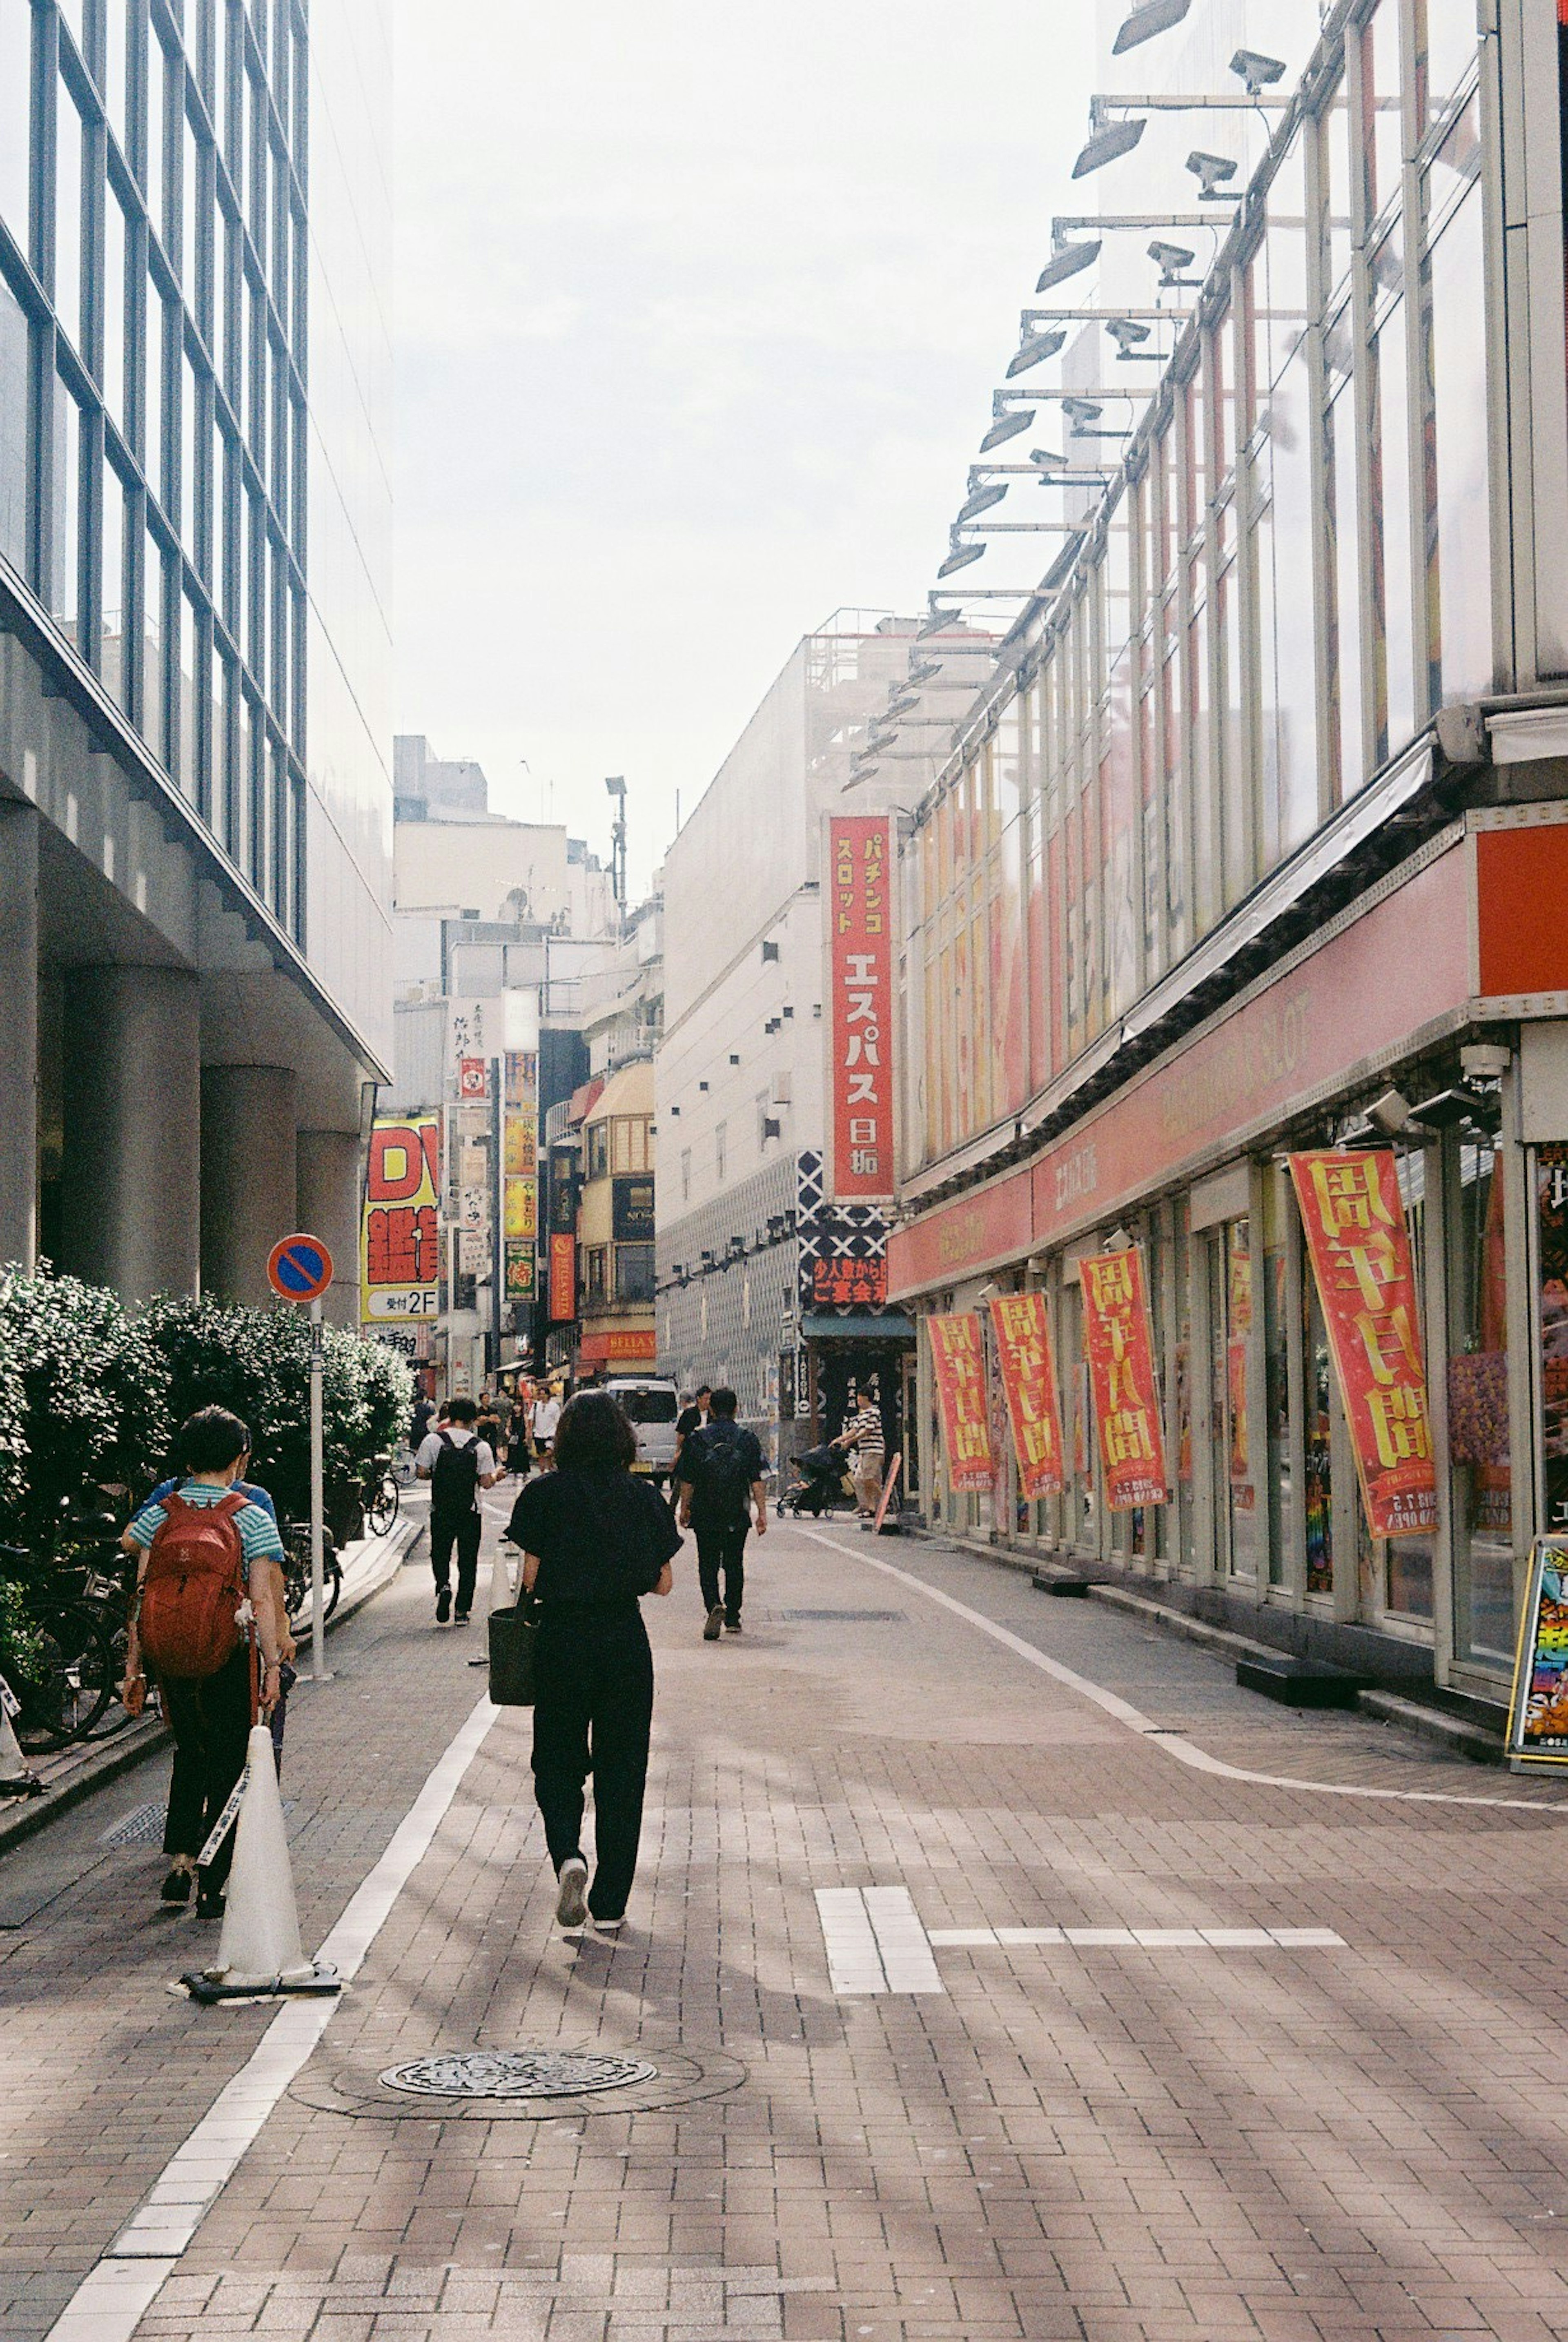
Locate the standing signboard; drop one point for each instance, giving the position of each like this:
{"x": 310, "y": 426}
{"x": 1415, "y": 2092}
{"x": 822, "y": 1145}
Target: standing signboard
{"x": 1538, "y": 1712}
{"x": 859, "y": 908}
{"x": 1552, "y": 1234}
{"x": 520, "y": 1174}
{"x": 1021, "y": 1325}
{"x": 1119, "y": 1342}
{"x": 958, "y": 1362}
{"x": 1354, "y": 1219}
{"x": 399, "y": 1246}
{"x": 563, "y": 1277}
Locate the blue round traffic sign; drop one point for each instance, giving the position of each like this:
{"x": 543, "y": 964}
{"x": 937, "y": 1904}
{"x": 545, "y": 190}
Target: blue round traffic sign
{"x": 299, "y": 1267}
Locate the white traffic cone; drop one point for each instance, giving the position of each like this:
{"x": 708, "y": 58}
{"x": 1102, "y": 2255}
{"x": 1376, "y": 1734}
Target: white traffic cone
{"x": 18, "y": 1778}
{"x": 259, "y": 1951}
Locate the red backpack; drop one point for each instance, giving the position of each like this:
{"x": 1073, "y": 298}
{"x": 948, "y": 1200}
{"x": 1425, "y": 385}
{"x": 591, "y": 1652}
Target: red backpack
{"x": 193, "y": 1586}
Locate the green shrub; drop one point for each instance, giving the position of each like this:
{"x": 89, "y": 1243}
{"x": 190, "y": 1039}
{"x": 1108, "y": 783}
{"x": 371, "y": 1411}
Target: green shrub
{"x": 83, "y": 1401}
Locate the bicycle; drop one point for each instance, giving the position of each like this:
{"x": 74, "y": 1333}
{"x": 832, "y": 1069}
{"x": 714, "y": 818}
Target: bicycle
{"x": 381, "y": 1496}
{"x": 296, "y": 1572}
{"x": 63, "y": 1668}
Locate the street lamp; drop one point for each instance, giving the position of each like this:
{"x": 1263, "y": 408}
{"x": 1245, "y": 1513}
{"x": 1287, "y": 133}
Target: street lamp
{"x": 1145, "y": 22}
{"x": 615, "y": 786}
{"x": 1033, "y": 349}
{"x": 1107, "y": 141}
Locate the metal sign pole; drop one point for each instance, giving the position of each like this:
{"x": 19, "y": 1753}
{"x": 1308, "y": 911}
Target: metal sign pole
{"x": 317, "y": 1575}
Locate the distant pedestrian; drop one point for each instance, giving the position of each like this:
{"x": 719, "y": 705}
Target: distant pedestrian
{"x": 419, "y": 1422}
{"x": 593, "y": 1540}
{"x": 457, "y": 1464}
{"x": 546, "y": 1420}
{"x": 864, "y": 1439}
{"x": 501, "y": 1401}
{"x": 693, "y": 1414}
{"x": 721, "y": 1490}
{"x": 205, "y": 1548}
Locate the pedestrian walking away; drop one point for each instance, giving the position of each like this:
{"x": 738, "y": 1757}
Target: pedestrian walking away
{"x": 205, "y": 1549}
{"x": 721, "y": 1489}
{"x": 546, "y": 1420}
{"x": 863, "y": 1438}
{"x": 419, "y": 1421}
{"x": 594, "y": 1540}
{"x": 457, "y": 1464}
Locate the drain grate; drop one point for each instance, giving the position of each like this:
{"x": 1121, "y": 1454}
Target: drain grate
{"x": 862, "y": 1617}
{"x": 516, "y": 2074}
{"x": 143, "y": 1825}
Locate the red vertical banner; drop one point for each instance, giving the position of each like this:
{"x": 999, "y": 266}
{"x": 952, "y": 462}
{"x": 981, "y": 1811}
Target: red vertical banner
{"x": 958, "y": 1362}
{"x": 1021, "y": 1323}
{"x": 562, "y": 1278}
{"x": 1354, "y": 1219}
{"x": 1119, "y": 1343}
{"x": 859, "y": 902}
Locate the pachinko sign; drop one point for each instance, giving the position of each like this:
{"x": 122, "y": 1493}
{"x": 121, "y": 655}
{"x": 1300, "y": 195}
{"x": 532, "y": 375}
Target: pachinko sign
{"x": 859, "y": 1020}
{"x": 1353, "y": 1219}
{"x": 1119, "y": 1345}
{"x": 958, "y": 1362}
{"x": 1538, "y": 1714}
{"x": 1021, "y": 1328}
{"x": 399, "y": 1244}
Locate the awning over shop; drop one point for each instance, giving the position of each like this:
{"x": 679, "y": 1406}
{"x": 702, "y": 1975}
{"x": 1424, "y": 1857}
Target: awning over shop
{"x": 858, "y": 1325}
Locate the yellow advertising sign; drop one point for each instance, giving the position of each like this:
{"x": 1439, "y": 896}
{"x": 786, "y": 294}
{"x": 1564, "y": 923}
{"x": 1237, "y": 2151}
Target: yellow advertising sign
{"x": 400, "y": 1237}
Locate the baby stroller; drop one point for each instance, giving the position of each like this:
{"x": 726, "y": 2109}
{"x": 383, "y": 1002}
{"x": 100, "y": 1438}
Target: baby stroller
{"x": 819, "y": 1486}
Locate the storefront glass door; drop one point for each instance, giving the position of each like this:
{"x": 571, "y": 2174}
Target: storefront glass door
{"x": 1480, "y": 1483}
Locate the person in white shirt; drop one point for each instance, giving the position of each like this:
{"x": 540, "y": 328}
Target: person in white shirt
{"x": 457, "y": 1464}
{"x": 547, "y": 1418}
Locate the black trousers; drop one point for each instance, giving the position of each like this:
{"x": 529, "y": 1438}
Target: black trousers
{"x": 211, "y": 1721}
{"x": 464, "y": 1528}
{"x": 721, "y": 1553}
{"x": 592, "y": 1712}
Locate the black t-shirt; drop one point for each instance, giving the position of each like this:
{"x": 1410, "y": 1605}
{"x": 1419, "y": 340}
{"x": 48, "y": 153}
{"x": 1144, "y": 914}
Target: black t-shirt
{"x": 602, "y": 1538}
{"x": 689, "y": 1419}
{"x": 720, "y": 1463}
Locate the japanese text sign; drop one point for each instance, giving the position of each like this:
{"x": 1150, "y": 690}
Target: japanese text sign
{"x": 1538, "y": 1712}
{"x": 958, "y": 1362}
{"x": 399, "y": 1247}
{"x": 859, "y": 906}
{"x": 1020, "y": 1326}
{"x": 1118, "y": 1342}
{"x": 1354, "y": 1223}
{"x": 563, "y": 1279}
{"x": 473, "y": 1077}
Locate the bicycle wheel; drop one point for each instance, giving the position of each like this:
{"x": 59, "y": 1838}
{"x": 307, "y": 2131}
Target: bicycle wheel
{"x": 117, "y": 1634}
{"x": 382, "y": 1511}
{"x": 68, "y": 1687}
{"x": 332, "y": 1584}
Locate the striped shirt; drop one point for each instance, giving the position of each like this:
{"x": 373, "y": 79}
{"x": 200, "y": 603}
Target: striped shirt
{"x": 259, "y": 1539}
{"x": 865, "y": 1428}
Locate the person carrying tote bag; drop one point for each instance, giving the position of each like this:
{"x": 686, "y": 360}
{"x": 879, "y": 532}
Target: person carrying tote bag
{"x": 594, "y": 1540}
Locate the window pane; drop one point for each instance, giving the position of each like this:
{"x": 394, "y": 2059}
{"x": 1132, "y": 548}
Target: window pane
{"x": 1384, "y": 141}
{"x": 190, "y": 482}
{"x": 1447, "y": 38}
{"x": 66, "y": 531}
{"x": 1345, "y": 650}
{"x": 190, "y": 213}
{"x": 1459, "y": 400}
{"x": 112, "y": 588}
{"x": 1481, "y": 1478}
{"x": 1391, "y": 554}
{"x": 68, "y": 214}
{"x": 114, "y": 383}
{"x": 16, "y": 92}
{"x": 1289, "y": 658}
{"x": 154, "y": 171}
{"x": 71, "y": 17}
{"x": 218, "y": 752}
{"x": 1336, "y": 183}
{"x": 153, "y": 420}
{"x": 153, "y": 730}
{"x": 190, "y": 727}
{"x": 13, "y": 428}
{"x": 115, "y": 73}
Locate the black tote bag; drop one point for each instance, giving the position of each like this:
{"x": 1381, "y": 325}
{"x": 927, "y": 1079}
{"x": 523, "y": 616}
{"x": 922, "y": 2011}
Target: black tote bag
{"x": 513, "y": 1642}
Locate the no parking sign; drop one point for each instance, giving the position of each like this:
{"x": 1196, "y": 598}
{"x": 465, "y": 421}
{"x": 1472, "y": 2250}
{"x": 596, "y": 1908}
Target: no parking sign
{"x": 299, "y": 1269}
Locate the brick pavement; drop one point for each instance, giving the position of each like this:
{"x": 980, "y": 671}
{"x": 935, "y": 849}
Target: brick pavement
{"x": 1114, "y": 2143}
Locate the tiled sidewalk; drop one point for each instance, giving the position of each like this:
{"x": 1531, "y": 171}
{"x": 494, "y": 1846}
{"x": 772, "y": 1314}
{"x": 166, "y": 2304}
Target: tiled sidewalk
{"x": 1191, "y": 2136}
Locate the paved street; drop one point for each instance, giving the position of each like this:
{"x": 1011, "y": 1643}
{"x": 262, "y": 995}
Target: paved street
{"x": 979, "y": 2006}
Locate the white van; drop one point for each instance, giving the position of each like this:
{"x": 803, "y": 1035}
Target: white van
{"x": 652, "y": 1407}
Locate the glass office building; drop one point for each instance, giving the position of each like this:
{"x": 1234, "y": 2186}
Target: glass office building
{"x": 1264, "y": 814}
{"x": 194, "y": 526}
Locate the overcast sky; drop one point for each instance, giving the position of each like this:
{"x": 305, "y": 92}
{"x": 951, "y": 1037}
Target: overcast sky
{"x": 700, "y": 307}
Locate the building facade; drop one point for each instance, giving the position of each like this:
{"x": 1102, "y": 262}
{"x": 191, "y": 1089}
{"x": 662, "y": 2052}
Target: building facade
{"x": 1252, "y": 847}
{"x": 195, "y": 792}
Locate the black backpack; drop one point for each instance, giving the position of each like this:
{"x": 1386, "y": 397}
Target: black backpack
{"x": 723, "y": 1479}
{"x": 454, "y": 1480}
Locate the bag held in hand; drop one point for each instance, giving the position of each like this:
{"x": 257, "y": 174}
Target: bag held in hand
{"x": 513, "y": 1640}
{"x": 194, "y": 1588}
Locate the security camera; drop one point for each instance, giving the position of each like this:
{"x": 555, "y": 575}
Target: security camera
{"x": 1259, "y": 73}
{"x": 1213, "y": 171}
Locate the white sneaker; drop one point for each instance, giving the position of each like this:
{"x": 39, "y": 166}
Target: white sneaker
{"x": 571, "y": 1902}
{"x": 610, "y": 1926}
{"x": 715, "y": 1626}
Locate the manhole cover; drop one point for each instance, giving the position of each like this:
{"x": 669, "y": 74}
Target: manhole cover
{"x": 516, "y": 2074}
{"x": 864, "y": 1617}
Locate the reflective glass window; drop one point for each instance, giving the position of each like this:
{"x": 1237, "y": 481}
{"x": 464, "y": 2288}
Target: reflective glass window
{"x": 1235, "y": 760}
{"x": 1447, "y": 43}
{"x": 154, "y": 174}
{"x": 1290, "y": 553}
{"x": 13, "y": 428}
{"x": 115, "y": 84}
{"x": 1461, "y": 517}
{"x": 153, "y": 420}
{"x": 1390, "y": 519}
{"x": 1349, "y": 616}
{"x": 153, "y": 685}
{"x": 219, "y": 814}
{"x": 190, "y": 441}
{"x": 112, "y": 588}
{"x": 66, "y": 490}
{"x": 71, "y": 18}
{"x": 1282, "y": 274}
{"x": 1482, "y": 1480}
{"x": 1383, "y": 129}
{"x": 16, "y": 126}
{"x": 190, "y": 213}
{"x": 189, "y": 720}
{"x": 68, "y": 278}
{"x": 115, "y": 287}
{"x": 1335, "y": 180}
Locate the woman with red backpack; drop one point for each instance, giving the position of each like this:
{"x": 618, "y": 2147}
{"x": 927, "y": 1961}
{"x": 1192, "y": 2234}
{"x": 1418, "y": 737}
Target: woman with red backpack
{"x": 201, "y": 1547}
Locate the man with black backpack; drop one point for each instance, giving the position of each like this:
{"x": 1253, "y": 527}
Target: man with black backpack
{"x": 719, "y": 1482}
{"x": 457, "y": 1464}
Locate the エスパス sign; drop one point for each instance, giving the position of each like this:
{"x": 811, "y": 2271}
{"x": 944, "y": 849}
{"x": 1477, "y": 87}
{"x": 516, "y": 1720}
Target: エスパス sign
{"x": 858, "y": 896}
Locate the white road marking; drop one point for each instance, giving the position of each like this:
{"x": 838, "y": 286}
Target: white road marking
{"x": 1184, "y": 1751}
{"x": 874, "y": 1941}
{"x": 1146, "y": 1940}
{"x": 109, "y": 2303}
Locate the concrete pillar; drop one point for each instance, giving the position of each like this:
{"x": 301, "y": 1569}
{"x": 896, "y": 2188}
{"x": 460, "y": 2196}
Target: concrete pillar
{"x": 248, "y": 1177}
{"x": 19, "y": 1033}
{"x": 130, "y": 1200}
{"x": 329, "y": 1208}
